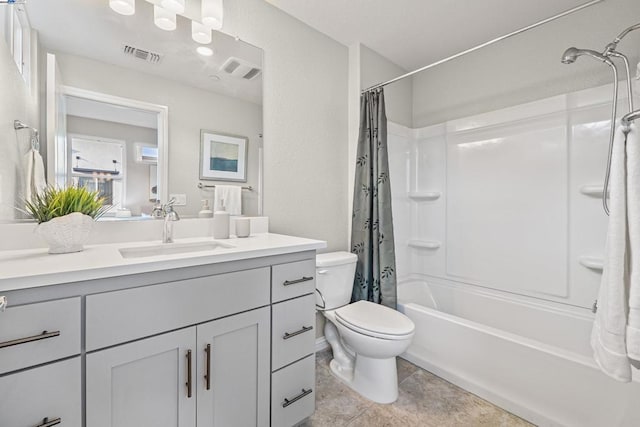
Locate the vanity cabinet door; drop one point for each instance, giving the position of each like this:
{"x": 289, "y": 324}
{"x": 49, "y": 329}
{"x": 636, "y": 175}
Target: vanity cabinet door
{"x": 51, "y": 392}
{"x": 233, "y": 370}
{"x": 144, "y": 383}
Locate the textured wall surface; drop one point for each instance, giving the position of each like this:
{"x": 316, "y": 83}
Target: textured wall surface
{"x": 305, "y": 121}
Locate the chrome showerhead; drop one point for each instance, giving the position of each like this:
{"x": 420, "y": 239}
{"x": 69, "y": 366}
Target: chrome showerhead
{"x": 570, "y": 55}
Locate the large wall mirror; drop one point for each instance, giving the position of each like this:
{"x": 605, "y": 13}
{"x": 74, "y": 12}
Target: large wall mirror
{"x": 120, "y": 104}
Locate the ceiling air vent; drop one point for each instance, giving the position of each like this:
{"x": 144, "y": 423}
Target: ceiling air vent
{"x": 142, "y": 54}
{"x": 240, "y": 68}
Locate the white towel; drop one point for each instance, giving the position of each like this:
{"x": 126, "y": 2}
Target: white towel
{"x": 613, "y": 343}
{"x": 231, "y": 198}
{"x": 34, "y": 180}
{"x": 633, "y": 209}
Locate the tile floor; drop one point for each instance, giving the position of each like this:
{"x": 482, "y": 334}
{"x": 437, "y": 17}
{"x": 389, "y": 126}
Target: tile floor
{"x": 424, "y": 400}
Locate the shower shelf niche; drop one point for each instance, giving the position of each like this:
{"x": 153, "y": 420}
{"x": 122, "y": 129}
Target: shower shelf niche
{"x": 424, "y": 244}
{"x": 424, "y": 195}
{"x": 592, "y": 190}
{"x": 592, "y": 263}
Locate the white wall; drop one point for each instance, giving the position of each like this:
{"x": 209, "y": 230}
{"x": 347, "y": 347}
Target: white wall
{"x": 190, "y": 110}
{"x": 136, "y": 174}
{"x": 305, "y": 121}
{"x": 526, "y": 67}
{"x": 374, "y": 69}
{"x": 17, "y": 101}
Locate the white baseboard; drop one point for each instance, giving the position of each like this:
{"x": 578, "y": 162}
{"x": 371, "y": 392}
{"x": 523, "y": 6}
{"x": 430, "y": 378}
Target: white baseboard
{"x": 321, "y": 344}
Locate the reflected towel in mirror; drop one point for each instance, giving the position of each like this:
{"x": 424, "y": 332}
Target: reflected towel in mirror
{"x": 231, "y": 195}
{"x": 35, "y": 181}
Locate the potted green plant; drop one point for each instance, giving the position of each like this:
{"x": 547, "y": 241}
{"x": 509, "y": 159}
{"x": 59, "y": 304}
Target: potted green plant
{"x": 65, "y": 216}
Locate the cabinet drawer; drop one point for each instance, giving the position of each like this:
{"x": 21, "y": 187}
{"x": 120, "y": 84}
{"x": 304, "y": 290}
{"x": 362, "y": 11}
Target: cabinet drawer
{"x": 293, "y": 396}
{"x": 23, "y": 340}
{"x": 293, "y": 279}
{"x": 293, "y": 334}
{"x": 120, "y": 316}
{"x": 52, "y": 391}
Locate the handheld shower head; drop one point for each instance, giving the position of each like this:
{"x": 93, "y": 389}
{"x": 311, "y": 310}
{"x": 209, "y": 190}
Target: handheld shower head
{"x": 570, "y": 55}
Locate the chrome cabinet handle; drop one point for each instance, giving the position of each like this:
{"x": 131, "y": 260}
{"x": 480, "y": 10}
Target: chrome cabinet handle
{"x": 304, "y": 393}
{"x": 43, "y": 336}
{"x": 207, "y": 374}
{"x": 304, "y": 329}
{"x": 3, "y": 303}
{"x": 188, "y": 384}
{"x": 46, "y": 422}
{"x": 293, "y": 282}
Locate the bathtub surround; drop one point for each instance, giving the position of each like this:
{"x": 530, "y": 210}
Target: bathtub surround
{"x": 616, "y": 339}
{"x": 372, "y": 227}
{"x": 514, "y": 289}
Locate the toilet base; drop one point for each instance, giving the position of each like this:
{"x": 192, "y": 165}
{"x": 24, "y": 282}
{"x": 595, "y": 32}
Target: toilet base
{"x": 375, "y": 379}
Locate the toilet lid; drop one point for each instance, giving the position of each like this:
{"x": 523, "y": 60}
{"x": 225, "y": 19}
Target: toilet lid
{"x": 375, "y": 319}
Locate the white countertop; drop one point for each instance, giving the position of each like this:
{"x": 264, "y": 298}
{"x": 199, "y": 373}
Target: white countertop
{"x": 33, "y": 268}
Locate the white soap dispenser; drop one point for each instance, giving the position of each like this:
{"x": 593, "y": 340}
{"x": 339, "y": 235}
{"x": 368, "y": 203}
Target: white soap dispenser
{"x": 206, "y": 211}
{"x": 221, "y": 222}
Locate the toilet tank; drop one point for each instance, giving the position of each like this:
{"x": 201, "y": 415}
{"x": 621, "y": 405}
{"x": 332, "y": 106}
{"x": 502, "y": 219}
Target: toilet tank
{"x": 334, "y": 278}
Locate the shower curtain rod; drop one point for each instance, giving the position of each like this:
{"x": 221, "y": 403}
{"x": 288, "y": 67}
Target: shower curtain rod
{"x": 480, "y": 46}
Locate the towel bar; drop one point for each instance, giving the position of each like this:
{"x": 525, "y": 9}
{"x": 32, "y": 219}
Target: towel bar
{"x": 203, "y": 186}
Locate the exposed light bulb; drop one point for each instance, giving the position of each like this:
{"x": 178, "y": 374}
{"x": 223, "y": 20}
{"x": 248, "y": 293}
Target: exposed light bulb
{"x": 164, "y": 19}
{"x": 123, "y": 7}
{"x": 175, "y": 6}
{"x": 200, "y": 33}
{"x": 212, "y": 14}
{"x": 204, "y": 51}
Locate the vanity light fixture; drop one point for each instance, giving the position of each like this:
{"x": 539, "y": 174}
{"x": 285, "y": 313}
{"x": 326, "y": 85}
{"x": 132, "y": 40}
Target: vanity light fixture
{"x": 175, "y": 6}
{"x": 164, "y": 19}
{"x": 200, "y": 32}
{"x": 212, "y": 14}
{"x": 123, "y": 7}
{"x": 204, "y": 51}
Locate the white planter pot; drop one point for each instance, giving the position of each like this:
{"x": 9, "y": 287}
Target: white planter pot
{"x": 67, "y": 233}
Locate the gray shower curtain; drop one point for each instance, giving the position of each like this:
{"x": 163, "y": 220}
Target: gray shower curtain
{"x": 372, "y": 223}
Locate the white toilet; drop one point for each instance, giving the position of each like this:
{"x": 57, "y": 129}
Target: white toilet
{"x": 365, "y": 337}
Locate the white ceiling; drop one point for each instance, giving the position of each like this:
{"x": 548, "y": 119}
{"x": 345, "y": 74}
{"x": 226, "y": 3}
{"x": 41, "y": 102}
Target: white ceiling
{"x": 91, "y": 29}
{"x": 414, "y": 33}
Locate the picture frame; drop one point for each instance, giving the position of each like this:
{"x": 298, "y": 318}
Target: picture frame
{"x": 223, "y": 157}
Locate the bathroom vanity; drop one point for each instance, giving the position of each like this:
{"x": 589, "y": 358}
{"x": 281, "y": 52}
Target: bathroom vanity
{"x": 215, "y": 337}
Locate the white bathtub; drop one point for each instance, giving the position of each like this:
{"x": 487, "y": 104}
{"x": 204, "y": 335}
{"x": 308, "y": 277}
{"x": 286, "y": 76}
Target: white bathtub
{"x": 527, "y": 357}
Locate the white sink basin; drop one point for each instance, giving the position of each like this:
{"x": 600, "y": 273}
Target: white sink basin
{"x": 172, "y": 249}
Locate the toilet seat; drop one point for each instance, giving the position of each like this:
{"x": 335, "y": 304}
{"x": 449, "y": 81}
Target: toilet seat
{"x": 375, "y": 320}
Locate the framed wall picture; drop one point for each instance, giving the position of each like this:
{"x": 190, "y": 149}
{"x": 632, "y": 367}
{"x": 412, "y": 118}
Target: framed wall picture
{"x": 223, "y": 157}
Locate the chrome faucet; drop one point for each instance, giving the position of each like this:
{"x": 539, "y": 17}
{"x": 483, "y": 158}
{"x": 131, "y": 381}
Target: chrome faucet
{"x": 157, "y": 212}
{"x": 170, "y": 216}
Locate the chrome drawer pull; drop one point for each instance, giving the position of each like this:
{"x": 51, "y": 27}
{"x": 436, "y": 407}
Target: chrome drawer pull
{"x": 304, "y": 393}
{"x": 47, "y": 423}
{"x": 304, "y": 329}
{"x": 43, "y": 336}
{"x": 207, "y": 374}
{"x": 293, "y": 282}
{"x": 3, "y": 303}
{"x": 188, "y": 384}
